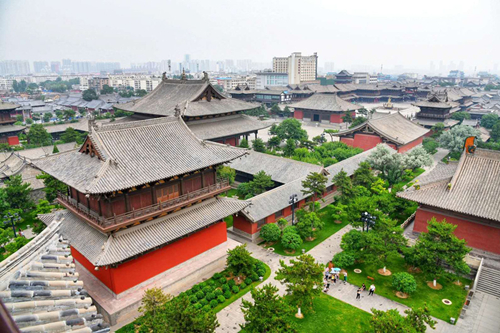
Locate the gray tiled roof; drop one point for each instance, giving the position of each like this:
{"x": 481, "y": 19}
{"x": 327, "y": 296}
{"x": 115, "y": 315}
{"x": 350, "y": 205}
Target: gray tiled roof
{"x": 325, "y": 102}
{"x": 11, "y": 128}
{"x": 136, "y": 153}
{"x": 102, "y": 250}
{"x": 163, "y": 100}
{"x": 431, "y": 122}
{"x": 440, "y": 172}
{"x": 394, "y": 127}
{"x": 281, "y": 169}
{"x": 277, "y": 199}
{"x": 207, "y": 129}
{"x": 8, "y": 106}
{"x": 475, "y": 187}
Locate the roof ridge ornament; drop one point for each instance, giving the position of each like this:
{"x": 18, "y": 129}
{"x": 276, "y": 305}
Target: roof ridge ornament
{"x": 177, "y": 111}
{"x": 183, "y": 75}
{"x": 164, "y": 76}
{"x": 205, "y": 76}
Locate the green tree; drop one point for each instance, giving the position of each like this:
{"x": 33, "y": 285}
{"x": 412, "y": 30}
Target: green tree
{"x": 141, "y": 92}
{"x": 261, "y": 182}
{"x": 19, "y": 118}
{"x": 439, "y": 246}
{"x": 460, "y": 115}
{"x": 343, "y": 260}
{"x": 343, "y": 184}
{"x": 437, "y": 130}
{"x": 240, "y": 261}
{"x": 55, "y": 150}
{"x": 363, "y": 175}
{"x": 275, "y": 109}
{"x": 274, "y": 142}
{"x": 404, "y": 282}
{"x": 353, "y": 243}
{"x": 268, "y": 312}
{"x": 70, "y": 135}
{"x": 289, "y": 128}
{"x": 286, "y": 111}
{"x": 339, "y": 212}
{"x": 68, "y": 113}
{"x": 270, "y": 232}
{"x": 18, "y": 194}
{"x": 331, "y": 133}
{"x": 38, "y": 135}
{"x": 282, "y": 223}
{"x": 153, "y": 300}
{"x": 227, "y": 173}
{"x": 52, "y": 186}
{"x": 303, "y": 279}
{"x": 430, "y": 145}
{"x": 454, "y": 139}
{"x": 490, "y": 119}
{"x": 319, "y": 139}
{"x": 291, "y": 240}
{"x": 46, "y": 117}
{"x": 290, "y": 147}
{"x": 308, "y": 223}
{"x": 29, "y": 121}
{"x": 495, "y": 132}
{"x": 4, "y": 239}
{"x": 347, "y": 117}
{"x": 314, "y": 184}
{"x": 417, "y": 158}
{"x": 59, "y": 114}
{"x": 358, "y": 121}
{"x": 89, "y": 95}
{"x": 244, "y": 143}
{"x": 391, "y": 321}
{"x": 258, "y": 145}
{"x": 106, "y": 89}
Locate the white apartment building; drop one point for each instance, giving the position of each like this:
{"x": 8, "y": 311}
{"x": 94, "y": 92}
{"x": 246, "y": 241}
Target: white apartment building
{"x": 230, "y": 83}
{"x": 145, "y": 82}
{"x": 299, "y": 68}
{"x": 270, "y": 79}
{"x": 6, "y": 84}
{"x": 360, "y": 78}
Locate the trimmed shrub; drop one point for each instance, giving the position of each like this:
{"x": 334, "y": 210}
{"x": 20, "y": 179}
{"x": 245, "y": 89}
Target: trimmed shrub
{"x": 254, "y": 277}
{"x": 404, "y": 282}
{"x": 210, "y": 296}
{"x": 200, "y": 294}
{"x": 195, "y": 288}
{"x": 231, "y": 283}
{"x": 235, "y": 289}
{"x": 217, "y": 276}
{"x": 207, "y": 290}
{"x": 218, "y": 292}
{"x": 222, "y": 280}
{"x": 213, "y": 303}
{"x": 261, "y": 272}
{"x": 197, "y": 306}
{"x": 207, "y": 308}
{"x": 221, "y": 299}
{"x": 204, "y": 302}
{"x": 193, "y": 299}
{"x": 227, "y": 295}
{"x": 248, "y": 280}
{"x": 270, "y": 232}
{"x": 211, "y": 283}
{"x": 243, "y": 285}
{"x": 226, "y": 287}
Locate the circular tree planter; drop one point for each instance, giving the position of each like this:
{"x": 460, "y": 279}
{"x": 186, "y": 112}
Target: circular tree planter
{"x": 446, "y": 301}
{"x": 386, "y": 273}
{"x": 289, "y": 251}
{"x": 270, "y": 249}
{"x": 357, "y": 271}
{"x": 458, "y": 283}
{"x": 401, "y": 294}
{"x": 414, "y": 270}
{"x": 437, "y": 287}
{"x": 310, "y": 239}
{"x": 337, "y": 222}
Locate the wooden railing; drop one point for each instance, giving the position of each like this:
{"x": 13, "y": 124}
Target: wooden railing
{"x": 145, "y": 212}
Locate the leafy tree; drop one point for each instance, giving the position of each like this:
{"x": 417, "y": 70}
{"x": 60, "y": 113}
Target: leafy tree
{"x": 291, "y": 240}
{"x": 347, "y": 117}
{"x": 4, "y": 238}
{"x": 454, "y": 139}
{"x": 343, "y": 260}
{"x": 439, "y": 246}
{"x": 141, "y": 92}
{"x": 489, "y": 120}
{"x": 353, "y": 242}
{"x": 38, "y": 135}
{"x": 55, "y": 150}
{"x": 244, "y": 191}
{"x": 391, "y": 321}
{"x": 227, "y": 173}
{"x": 307, "y": 223}
{"x": 19, "y": 86}
{"x": 389, "y": 163}
{"x": 303, "y": 279}
{"x": 153, "y": 300}
{"x": 46, "y": 117}
{"x": 363, "y": 175}
{"x": 16, "y": 244}
{"x": 261, "y": 182}
{"x": 275, "y": 109}
{"x": 258, "y": 145}
{"x": 240, "y": 261}
{"x": 244, "y": 143}
{"x": 404, "y": 282}
{"x": 19, "y": 118}
{"x": 52, "y": 186}
{"x": 282, "y": 223}
{"x": 430, "y": 145}
{"x": 314, "y": 184}
{"x": 289, "y": 128}
{"x": 274, "y": 142}
{"x": 70, "y": 135}
{"x": 59, "y": 114}
{"x": 290, "y": 147}
{"x": 270, "y": 232}
{"x": 29, "y": 121}
{"x": 331, "y": 133}
{"x": 437, "y": 130}
{"x": 343, "y": 184}
{"x": 495, "y": 132}
{"x": 106, "y": 89}
{"x": 339, "y": 212}
{"x": 268, "y": 313}
{"x": 89, "y": 95}
{"x": 358, "y": 121}
{"x": 18, "y": 193}
{"x": 257, "y": 112}
{"x": 417, "y": 158}
{"x": 287, "y": 111}
{"x": 460, "y": 115}
{"x": 319, "y": 139}
{"x": 68, "y": 113}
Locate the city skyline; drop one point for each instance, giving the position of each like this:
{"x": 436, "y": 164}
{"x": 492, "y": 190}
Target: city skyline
{"x": 362, "y": 35}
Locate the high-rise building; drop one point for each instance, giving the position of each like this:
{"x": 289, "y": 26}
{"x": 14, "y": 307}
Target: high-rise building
{"x": 55, "y": 66}
{"x": 299, "y": 68}
{"x": 41, "y": 66}
{"x": 66, "y": 66}
{"x": 14, "y": 67}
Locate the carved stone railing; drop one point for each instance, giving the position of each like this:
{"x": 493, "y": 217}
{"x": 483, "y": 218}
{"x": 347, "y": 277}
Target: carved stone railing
{"x": 145, "y": 212}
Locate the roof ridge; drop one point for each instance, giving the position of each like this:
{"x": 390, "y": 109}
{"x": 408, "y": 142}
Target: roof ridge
{"x": 133, "y": 124}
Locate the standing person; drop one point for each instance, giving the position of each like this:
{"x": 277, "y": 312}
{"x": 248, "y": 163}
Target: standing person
{"x": 345, "y": 277}
{"x": 363, "y": 287}
{"x": 372, "y": 290}
{"x": 358, "y": 294}
{"x": 327, "y": 273}
{"x": 334, "y": 278}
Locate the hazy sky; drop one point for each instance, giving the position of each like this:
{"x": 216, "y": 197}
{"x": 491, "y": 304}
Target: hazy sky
{"x": 353, "y": 32}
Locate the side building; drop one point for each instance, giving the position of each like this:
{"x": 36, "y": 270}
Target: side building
{"x": 325, "y": 108}
{"x": 9, "y": 131}
{"x": 142, "y": 209}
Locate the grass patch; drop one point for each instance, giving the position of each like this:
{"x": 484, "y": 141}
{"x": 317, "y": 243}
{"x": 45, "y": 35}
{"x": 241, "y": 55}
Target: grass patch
{"x": 229, "y": 221}
{"x": 134, "y": 326}
{"x": 333, "y": 315}
{"x": 422, "y": 295}
{"x": 329, "y": 229}
{"x": 231, "y": 193}
{"x": 409, "y": 178}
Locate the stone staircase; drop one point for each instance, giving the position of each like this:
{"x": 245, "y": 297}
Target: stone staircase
{"x": 489, "y": 281}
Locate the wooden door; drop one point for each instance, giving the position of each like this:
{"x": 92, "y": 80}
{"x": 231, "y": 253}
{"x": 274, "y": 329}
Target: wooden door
{"x": 167, "y": 193}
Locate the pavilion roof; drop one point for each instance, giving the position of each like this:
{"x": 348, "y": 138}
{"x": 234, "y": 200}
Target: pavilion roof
{"x": 473, "y": 189}
{"x": 326, "y": 102}
{"x": 135, "y": 153}
{"x": 212, "y": 128}
{"x": 194, "y": 98}
{"x": 8, "y": 106}
{"x": 102, "y": 249}
{"x": 394, "y": 127}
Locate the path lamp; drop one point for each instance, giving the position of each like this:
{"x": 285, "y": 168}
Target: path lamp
{"x": 368, "y": 219}
{"x": 12, "y": 219}
{"x": 293, "y": 200}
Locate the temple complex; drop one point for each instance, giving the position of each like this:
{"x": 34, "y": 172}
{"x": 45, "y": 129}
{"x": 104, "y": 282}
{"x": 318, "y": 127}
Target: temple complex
{"x": 393, "y": 129}
{"x": 142, "y": 207}
{"x": 327, "y": 108}
{"x": 201, "y": 106}
{"x": 466, "y": 194}
{"x": 9, "y": 131}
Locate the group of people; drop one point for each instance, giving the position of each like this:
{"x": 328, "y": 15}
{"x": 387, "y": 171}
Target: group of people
{"x": 363, "y": 288}
{"x": 332, "y": 275}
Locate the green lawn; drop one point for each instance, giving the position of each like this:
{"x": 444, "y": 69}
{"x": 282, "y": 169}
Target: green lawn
{"x": 332, "y": 315}
{"x": 423, "y": 295}
{"x": 414, "y": 175}
{"x": 231, "y": 193}
{"x": 330, "y": 228}
{"x": 229, "y": 221}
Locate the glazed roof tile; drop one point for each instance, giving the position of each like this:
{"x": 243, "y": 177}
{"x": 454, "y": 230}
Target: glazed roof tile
{"x": 325, "y": 102}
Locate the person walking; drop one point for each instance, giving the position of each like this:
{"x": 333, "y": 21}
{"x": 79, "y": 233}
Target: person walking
{"x": 358, "y": 294}
{"x": 327, "y": 273}
{"x": 334, "y": 278}
{"x": 372, "y": 290}
{"x": 345, "y": 277}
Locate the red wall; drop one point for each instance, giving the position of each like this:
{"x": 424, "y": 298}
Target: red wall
{"x": 336, "y": 118}
{"x": 410, "y": 145}
{"x": 477, "y": 235}
{"x": 13, "y": 140}
{"x": 347, "y": 141}
{"x": 241, "y": 223}
{"x": 136, "y": 271}
{"x": 231, "y": 141}
{"x": 298, "y": 114}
